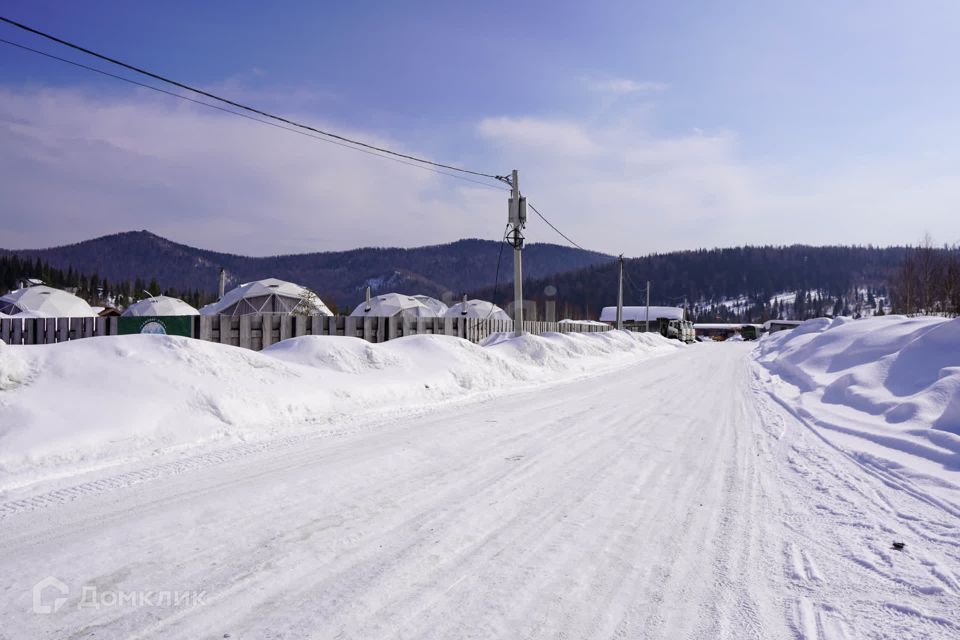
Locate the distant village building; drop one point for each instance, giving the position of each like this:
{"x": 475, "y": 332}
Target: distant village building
{"x": 773, "y": 326}
{"x": 636, "y": 317}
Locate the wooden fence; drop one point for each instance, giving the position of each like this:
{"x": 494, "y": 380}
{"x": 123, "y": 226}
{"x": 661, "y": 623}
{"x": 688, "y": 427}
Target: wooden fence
{"x": 50, "y": 330}
{"x": 259, "y": 331}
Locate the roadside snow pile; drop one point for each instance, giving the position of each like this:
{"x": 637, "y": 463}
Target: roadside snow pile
{"x": 885, "y": 389}
{"x": 88, "y": 403}
{"x": 13, "y": 370}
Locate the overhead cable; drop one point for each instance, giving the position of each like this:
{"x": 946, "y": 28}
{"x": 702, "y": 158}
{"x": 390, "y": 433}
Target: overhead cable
{"x": 551, "y": 225}
{"x": 244, "y": 107}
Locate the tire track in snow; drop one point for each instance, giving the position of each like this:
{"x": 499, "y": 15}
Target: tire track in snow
{"x": 838, "y": 548}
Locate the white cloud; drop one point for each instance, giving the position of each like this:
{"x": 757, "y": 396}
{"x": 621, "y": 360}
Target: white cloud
{"x": 642, "y": 191}
{"x": 75, "y": 166}
{"x": 553, "y": 136}
{"x": 625, "y": 86}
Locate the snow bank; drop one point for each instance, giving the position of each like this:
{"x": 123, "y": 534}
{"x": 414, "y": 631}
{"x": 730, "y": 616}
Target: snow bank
{"x": 89, "y": 403}
{"x": 886, "y": 389}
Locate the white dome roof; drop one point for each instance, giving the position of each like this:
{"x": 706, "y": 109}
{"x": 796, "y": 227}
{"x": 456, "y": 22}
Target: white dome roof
{"x": 436, "y": 306}
{"x": 44, "y": 301}
{"x": 477, "y": 309}
{"x": 391, "y": 304}
{"x": 267, "y": 296}
{"x": 160, "y": 306}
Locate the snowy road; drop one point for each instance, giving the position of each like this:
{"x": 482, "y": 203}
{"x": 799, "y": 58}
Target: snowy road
{"x": 675, "y": 499}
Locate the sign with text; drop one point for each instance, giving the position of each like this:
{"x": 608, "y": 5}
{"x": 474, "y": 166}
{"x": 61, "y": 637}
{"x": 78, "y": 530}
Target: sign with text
{"x": 159, "y": 325}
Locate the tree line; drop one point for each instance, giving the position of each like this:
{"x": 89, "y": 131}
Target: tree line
{"x": 928, "y": 280}
{"x": 739, "y": 284}
{"x": 96, "y": 290}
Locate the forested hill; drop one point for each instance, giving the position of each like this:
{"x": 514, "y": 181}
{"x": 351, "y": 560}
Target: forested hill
{"x": 340, "y": 278}
{"x": 717, "y": 284}
{"x": 727, "y": 284}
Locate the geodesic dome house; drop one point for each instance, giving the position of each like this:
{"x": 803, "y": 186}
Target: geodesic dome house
{"x": 477, "y": 309}
{"x": 46, "y": 302}
{"x": 436, "y": 306}
{"x": 269, "y": 296}
{"x": 389, "y": 305}
{"x": 160, "y": 306}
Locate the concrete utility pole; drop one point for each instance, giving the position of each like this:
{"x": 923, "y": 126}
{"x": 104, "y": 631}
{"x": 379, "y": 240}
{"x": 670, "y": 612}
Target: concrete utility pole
{"x": 620, "y": 297}
{"x": 648, "y": 307}
{"x": 517, "y": 217}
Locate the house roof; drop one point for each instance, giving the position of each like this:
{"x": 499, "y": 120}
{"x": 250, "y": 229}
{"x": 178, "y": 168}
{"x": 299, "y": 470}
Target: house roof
{"x": 639, "y": 314}
{"x": 160, "y": 306}
{"x": 477, "y": 309}
{"x": 388, "y": 305}
{"x": 267, "y": 296}
{"x": 44, "y": 301}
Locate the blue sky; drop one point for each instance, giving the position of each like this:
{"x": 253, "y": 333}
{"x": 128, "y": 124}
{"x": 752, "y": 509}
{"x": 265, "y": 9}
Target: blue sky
{"x": 637, "y": 126}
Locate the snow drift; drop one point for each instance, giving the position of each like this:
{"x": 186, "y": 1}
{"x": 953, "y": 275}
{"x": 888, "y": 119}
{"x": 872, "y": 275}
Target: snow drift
{"x": 885, "y": 389}
{"x": 82, "y": 404}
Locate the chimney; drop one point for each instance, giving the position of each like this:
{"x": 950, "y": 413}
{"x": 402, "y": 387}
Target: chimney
{"x": 368, "y": 305}
{"x": 223, "y": 282}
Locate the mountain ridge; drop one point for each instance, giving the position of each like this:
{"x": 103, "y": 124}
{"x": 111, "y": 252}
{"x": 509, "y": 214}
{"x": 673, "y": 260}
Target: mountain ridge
{"x": 449, "y": 269}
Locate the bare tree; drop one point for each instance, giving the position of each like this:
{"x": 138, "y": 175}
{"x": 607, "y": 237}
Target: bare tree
{"x": 928, "y": 280}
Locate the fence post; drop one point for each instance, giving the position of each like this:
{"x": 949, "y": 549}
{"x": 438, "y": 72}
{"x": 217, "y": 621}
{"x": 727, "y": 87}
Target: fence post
{"x": 350, "y": 326}
{"x": 286, "y": 327}
{"x": 29, "y": 330}
{"x": 300, "y": 325}
{"x": 266, "y": 331}
{"x": 205, "y": 331}
{"x": 63, "y": 329}
{"x": 246, "y": 332}
{"x": 222, "y": 324}
{"x": 381, "y": 329}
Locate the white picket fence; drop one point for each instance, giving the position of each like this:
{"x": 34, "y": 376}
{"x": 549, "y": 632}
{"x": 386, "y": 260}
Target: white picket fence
{"x": 259, "y": 331}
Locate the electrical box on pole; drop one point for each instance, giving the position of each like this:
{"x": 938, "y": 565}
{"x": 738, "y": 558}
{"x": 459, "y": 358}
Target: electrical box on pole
{"x": 518, "y": 211}
{"x": 517, "y": 218}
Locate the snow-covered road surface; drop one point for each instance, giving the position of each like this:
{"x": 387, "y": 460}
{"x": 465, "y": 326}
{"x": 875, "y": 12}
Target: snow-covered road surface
{"x": 671, "y": 500}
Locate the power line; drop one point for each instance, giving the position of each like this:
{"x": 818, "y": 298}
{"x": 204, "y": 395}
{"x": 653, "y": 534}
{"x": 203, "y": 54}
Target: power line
{"x": 637, "y": 291}
{"x": 244, "y": 107}
{"x": 496, "y": 278}
{"x": 550, "y": 224}
{"x": 245, "y": 116}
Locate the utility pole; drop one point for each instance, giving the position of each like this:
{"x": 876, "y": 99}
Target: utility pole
{"x": 517, "y": 217}
{"x": 648, "y": 307}
{"x": 620, "y": 297}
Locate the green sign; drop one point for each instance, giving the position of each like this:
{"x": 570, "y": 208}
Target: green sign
{"x": 160, "y": 325}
